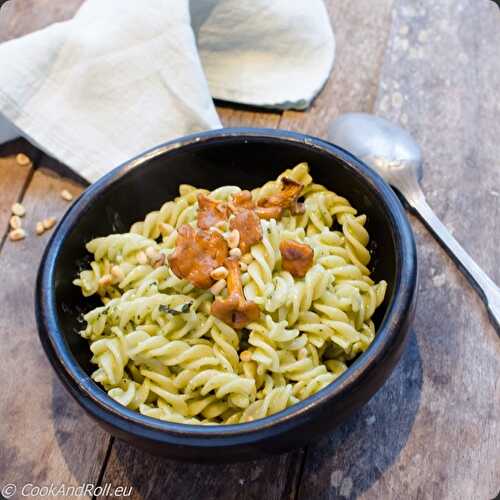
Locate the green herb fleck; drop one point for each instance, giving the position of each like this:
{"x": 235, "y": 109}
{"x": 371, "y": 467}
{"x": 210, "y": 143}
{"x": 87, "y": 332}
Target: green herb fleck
{"x": 184, "y": 309}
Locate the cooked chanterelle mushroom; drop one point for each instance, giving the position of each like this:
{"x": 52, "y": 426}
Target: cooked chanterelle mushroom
{"x": 269, "y": 212}
{"x": 247, "y": 223}
{"x": 242, "y": 200}
{"x": 197, "y": 253}
{"x": 297, "y": 258}
{"x": 286, "y": 198}
{"x": 211, "y": 211}
{"x": 235, "y": 310}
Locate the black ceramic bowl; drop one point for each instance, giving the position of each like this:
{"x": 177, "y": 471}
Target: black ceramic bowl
{"x": 247, "y": 158}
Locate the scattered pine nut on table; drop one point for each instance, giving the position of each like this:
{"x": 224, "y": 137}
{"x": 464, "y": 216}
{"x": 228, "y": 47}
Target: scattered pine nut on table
{"x": 66, "y": 195}
{"x": 39, "y": 229}
{"x": 49, "y": 222}
{"x": 23, "y": 160}
{"x": 18, "y": 209}
{"x": 15, "y": 222}
{"x": 17, "y": 234}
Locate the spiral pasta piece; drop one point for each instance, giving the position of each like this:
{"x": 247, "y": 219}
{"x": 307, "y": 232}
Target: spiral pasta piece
{"x": 172, "y": 213}
{"x": 266, "y": 256}
{"x": 226, "y": 342}
{"x": 118, "y": 246}
{"x": 275, "y": 401}
{"x": 357, "y": 238}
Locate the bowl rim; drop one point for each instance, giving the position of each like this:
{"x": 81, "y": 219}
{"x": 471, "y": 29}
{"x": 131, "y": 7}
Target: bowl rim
{"x": 95, "y": 399}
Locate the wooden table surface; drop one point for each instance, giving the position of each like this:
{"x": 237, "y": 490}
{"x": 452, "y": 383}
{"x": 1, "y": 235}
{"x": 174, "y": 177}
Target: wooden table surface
{"x": 433, "y": 430}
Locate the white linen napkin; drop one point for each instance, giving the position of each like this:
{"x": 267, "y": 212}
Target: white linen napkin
{"x": 123, "y": 76}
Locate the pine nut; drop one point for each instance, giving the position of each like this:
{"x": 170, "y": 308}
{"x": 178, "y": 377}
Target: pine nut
{"x": 243, "y": 266}
{"x": 39, "y": 229}
{"x": 66, "y": 195}
{"x": 15, "y": 222}
{"x": 105, "y": 280}
{"x": 217, "y": 287}
{"x": 117, "y": 273}
{"x": 219, "y": 273}
{"x": 17, "y": 234}
{"x": 235, "y": 252}
{"x": 160, "y": 261}
{"x": 142, "y": 258}
{"x": 233, "y": 239}
{"x": 18, "y": 209}
{"x": 23, "y": 160}
{"x": 49, "y": 222}
{"x": 152, "y": 254}
{"x": 246, "y": 356}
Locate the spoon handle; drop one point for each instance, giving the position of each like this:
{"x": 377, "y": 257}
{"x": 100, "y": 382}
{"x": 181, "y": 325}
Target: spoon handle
{"x": 487, "y": 289}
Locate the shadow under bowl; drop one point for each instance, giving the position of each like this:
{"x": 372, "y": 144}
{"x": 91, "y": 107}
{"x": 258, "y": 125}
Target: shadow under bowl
{"x": 246, "y": 158}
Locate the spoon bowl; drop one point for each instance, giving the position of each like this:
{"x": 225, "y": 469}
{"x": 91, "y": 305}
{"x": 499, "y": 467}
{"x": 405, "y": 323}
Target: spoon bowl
{"x": 396, "y": 156}
{"x": 378, "y": 142}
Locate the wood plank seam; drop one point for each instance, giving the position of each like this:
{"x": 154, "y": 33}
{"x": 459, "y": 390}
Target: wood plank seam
{"x": 300, "y": 473}
{"x": 104, "y": 464}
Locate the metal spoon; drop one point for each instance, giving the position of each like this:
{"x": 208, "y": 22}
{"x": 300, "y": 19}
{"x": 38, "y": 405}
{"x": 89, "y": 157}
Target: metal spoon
{"x": 395, "y": 155}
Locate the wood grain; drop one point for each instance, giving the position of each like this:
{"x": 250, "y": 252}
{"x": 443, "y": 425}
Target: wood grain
{"x": 432, "y": 431}
{"x": 361, "y": 31}
{"x": 153, "y": 477}
{"x": 44, "y": 436}
{"x": 13, "y": 178}
{"x": 242, "y": 116}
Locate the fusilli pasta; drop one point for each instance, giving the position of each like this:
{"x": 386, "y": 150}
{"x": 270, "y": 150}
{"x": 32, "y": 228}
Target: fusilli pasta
{"x": 163, "y": 347}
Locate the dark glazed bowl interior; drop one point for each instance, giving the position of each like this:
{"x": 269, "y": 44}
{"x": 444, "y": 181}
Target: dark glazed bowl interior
{"x": 247, "y": 158}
